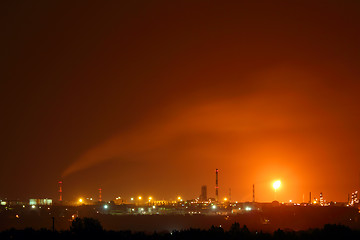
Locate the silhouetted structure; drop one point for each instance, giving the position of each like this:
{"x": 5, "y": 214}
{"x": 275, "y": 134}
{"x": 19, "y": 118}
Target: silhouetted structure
{"x": 203, "y": 195}
{"x": 253, "y": 192}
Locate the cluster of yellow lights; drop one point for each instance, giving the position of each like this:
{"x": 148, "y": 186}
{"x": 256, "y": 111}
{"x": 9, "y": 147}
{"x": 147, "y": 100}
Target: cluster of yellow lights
{"x": 151, "y": 198}
{"x": 140, "y": 197}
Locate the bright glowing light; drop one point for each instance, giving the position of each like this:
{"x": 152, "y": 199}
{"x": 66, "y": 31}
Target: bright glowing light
{"x": 225, "y": 199}
{"x": 139, "y": 197}
{"x": 248, "y": 209}
{"x": 106, "y": 206}
{"x": 276, "y": 184}
{"x": 33, "y": 206}
{"x": 150, "y": 198}
{"x": 132, "y": 199}
{"x": 179, "y": 198}
{"x": 213, "y": 207}
{"x": 80, "y": 200}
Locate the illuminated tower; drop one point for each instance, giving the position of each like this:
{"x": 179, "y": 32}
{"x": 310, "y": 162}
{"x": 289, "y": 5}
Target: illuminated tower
{"x": 100, "y": 200}
{"x": 217, "y": 185}
{"x": 60, "y": 191}
{"x": 354, "y": 198}
{"x": 321, "y": 199}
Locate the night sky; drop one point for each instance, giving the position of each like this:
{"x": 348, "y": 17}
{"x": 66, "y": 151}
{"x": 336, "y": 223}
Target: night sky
{"x": 150, "y": 97}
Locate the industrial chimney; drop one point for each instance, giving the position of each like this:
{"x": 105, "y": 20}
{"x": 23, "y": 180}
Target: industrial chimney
{"x": 217, "y": 186}
{"x": 100, "y": 200}
{"x": 60, "y": 191}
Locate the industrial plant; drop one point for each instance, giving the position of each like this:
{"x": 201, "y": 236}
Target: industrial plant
{"x": 17, "y": 213}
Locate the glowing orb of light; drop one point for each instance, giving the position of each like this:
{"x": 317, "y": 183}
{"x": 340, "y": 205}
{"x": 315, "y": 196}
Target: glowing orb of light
{"x": 276, "y": 184}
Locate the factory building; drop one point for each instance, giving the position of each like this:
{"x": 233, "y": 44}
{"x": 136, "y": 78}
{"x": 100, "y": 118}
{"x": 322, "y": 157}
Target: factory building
{"x": 44, "y": 201}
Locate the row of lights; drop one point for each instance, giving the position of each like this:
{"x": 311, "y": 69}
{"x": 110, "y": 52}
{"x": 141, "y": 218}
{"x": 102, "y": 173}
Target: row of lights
{"x": 150, "y": 198}
{"x": 276, "y": 185}
{"x": 132, "y": 199}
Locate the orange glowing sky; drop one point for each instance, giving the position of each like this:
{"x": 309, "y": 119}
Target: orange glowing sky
{"x": 149, "y": 98}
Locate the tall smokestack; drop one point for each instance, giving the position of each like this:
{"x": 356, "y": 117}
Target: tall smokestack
{"x": 217, "y": 185}
{"x": 100, "y": 200}
{"x": 60, "y": 191}
{"x": 253, "y": 192}
{"x": 310, "y": 198}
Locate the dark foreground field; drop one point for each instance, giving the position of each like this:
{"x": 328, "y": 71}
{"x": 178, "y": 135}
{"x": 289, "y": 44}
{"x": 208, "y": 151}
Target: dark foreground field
{"x": 268, "y": 220}
{"x": 88, "y": 228}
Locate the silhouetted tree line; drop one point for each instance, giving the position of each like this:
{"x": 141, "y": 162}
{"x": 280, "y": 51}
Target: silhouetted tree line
{"x": 89, "y": 228}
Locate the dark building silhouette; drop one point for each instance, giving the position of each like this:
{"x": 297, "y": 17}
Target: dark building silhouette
{"x": 203, "y": 195}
